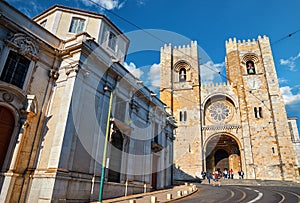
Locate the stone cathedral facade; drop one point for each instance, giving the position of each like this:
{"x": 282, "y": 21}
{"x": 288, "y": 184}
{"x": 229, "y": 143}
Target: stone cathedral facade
{"x": 239, "y": 125}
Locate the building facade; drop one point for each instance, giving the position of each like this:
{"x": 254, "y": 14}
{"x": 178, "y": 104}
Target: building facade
{"x": 239, "y": 125}
{"x": 58, "y": 73}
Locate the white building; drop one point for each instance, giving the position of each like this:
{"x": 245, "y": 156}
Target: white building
{"x": 55, "y": 86}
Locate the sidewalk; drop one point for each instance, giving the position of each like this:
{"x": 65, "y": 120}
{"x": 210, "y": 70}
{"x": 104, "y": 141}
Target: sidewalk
{"x": 161, "y": 195}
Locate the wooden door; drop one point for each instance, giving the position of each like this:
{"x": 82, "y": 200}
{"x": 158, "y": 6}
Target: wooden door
{"x": 7, "y": 123}
{"x": 154, "y": 171}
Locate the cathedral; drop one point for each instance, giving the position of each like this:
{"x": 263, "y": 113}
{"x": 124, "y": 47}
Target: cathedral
{"x": 239, "y": 125}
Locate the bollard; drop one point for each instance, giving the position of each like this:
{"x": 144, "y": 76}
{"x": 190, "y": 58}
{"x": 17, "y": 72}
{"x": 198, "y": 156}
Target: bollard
{"x": 194, "y": 187}
{"x": 153, "y": 199}
{"x": 179, "y": 193}
{"x": 186, "y": 184}
{"x": 185, "y": 192}
{"x": 132, "y": 201}
{"x": 169, "y": 196}
{"x": 191, "y": 190}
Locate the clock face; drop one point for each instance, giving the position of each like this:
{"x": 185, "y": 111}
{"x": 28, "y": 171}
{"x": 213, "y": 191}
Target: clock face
{"x": 253, "y": 83}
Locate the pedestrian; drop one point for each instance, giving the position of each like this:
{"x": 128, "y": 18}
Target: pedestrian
{"x": 216, "y": 178}
{"x": 242, "y": 174}
{"x": 203, "y": 174}
{"x": 209, "y": 176}
{"x": 231, "y": 173}
{"x": 239, "y": 173}
{"x": 225, "y": 173}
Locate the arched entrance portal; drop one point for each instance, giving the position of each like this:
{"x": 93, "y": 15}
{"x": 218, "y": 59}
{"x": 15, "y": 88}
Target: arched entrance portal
{"x": 7, "y": 123}
{"x": 222, "y": 152}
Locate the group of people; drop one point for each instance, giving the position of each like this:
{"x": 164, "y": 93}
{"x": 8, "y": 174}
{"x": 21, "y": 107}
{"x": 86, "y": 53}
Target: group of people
{"x": 218, "y": 174}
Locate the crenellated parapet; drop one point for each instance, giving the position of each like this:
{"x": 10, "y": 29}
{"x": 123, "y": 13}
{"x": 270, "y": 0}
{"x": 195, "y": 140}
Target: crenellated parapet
{"x": 232, "y": 44}
{"x": 216, "y": 87}
{"x": 185, "y": 51}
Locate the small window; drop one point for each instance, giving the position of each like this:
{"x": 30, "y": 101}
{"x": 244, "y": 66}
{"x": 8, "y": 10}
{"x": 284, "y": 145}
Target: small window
{"x": 182, "y": 116}
{"x": 15, "y": 69}
{"x": 258, "y": 112}
{"x": 112, "y": 41}
{"x": 43, "y": 23}
{"x": 182, "y": 75}
{"x": 273, "y": 150}
{"x": 250, "y": 67}
{"x": 77, "y": 25}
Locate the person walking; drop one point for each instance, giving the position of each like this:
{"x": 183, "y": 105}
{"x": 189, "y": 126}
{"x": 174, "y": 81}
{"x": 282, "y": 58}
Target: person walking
{"x": 231, "y": 173}
{"x": 216, "y": 178}
{"x": 242, "y": 174}
{"x": 209, "y": 176}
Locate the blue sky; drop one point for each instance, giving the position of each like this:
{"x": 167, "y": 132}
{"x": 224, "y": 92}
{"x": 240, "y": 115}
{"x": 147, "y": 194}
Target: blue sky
{"x": 211, "y": 23}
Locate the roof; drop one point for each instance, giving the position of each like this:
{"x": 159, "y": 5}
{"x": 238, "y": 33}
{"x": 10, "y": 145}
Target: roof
{"x": 76, "y": 10}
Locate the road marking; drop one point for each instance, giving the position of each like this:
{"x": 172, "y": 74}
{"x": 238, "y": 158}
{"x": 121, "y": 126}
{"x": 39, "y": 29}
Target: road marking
{"x": 282, "y": 197}
{"x": 259, "y": 196}
{"x": 243, "y": 196}
{"x": 292, "y": 193}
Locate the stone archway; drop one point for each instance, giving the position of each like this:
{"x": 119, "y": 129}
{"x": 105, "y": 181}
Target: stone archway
{"x": 7, "y": 123}
{"x": 222, "y": 151}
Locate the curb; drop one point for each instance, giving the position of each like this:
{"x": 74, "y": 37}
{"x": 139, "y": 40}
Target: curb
{"x": 172, "y": 200}
{"x": 149, "y": 194}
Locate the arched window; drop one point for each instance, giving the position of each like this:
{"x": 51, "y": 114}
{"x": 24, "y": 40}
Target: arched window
{"x": 250, "y": 67}
{"x": 182, "y": 75}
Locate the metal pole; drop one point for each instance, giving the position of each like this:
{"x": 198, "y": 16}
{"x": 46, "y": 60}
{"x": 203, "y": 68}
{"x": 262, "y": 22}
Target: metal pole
{"x": 105, "y": 149}
{"x": 200, "y": 116}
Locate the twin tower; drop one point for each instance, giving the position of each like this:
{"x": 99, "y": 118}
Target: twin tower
{"x": 239, "y": 125}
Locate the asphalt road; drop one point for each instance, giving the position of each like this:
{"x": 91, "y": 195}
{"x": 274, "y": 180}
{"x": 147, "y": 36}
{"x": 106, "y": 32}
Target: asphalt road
{"x": 249, "y": 194}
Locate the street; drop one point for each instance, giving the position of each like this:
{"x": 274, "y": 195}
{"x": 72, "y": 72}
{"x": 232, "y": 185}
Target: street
{"x": 249, "y": 194}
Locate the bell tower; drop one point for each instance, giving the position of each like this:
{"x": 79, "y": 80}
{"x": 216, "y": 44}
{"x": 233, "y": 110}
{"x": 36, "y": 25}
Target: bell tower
{"x": 179, "y": 90}
{"x": 266, "y": 136}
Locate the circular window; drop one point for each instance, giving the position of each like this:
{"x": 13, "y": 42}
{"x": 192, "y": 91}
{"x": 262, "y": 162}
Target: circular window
{"x": 219, "y": 112}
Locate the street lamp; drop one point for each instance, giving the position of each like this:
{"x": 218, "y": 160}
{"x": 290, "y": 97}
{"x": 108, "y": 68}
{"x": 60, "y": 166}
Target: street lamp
{"x": 105, "y": 144}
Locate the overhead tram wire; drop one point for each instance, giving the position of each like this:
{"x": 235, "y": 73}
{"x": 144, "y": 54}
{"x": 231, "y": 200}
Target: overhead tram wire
{"x": 159, "y": 39}
{"x": 285, "y": 37}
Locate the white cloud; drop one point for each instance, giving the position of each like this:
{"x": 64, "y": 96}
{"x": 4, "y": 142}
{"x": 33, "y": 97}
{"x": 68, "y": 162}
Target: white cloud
{"x": 288, "y": 96}
{"x": 131, "y": 67}
{"x": 107, "y": 4}
{"x": 31, "y": 9}
{"x": 154, "y": 76}
{"x": 141, "y": 2}
{"x": 209, "y": 71}
{"x": 290, "y": 62}
{"x": 282, "y": 80}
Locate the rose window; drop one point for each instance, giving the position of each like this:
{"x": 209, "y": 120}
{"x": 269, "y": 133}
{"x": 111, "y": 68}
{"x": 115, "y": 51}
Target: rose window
{"x": 219, "y": 112}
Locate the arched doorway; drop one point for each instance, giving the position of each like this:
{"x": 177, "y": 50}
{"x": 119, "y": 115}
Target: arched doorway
{"x": 7, "y": 123}
{"x": 222, "y": 152}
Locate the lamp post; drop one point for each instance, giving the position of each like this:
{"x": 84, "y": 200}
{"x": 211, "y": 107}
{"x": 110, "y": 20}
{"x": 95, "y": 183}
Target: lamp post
{"x": 105, "y": 145}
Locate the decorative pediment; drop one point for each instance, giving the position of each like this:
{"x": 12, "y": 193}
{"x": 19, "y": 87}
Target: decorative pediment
{"x": 24, "y": 44}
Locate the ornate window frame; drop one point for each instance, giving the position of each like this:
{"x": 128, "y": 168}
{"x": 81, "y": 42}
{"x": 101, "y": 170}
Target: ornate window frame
{"x": 23, "y": 45}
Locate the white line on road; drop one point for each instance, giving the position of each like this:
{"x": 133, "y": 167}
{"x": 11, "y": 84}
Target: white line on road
{"x": 259, "y": 196}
